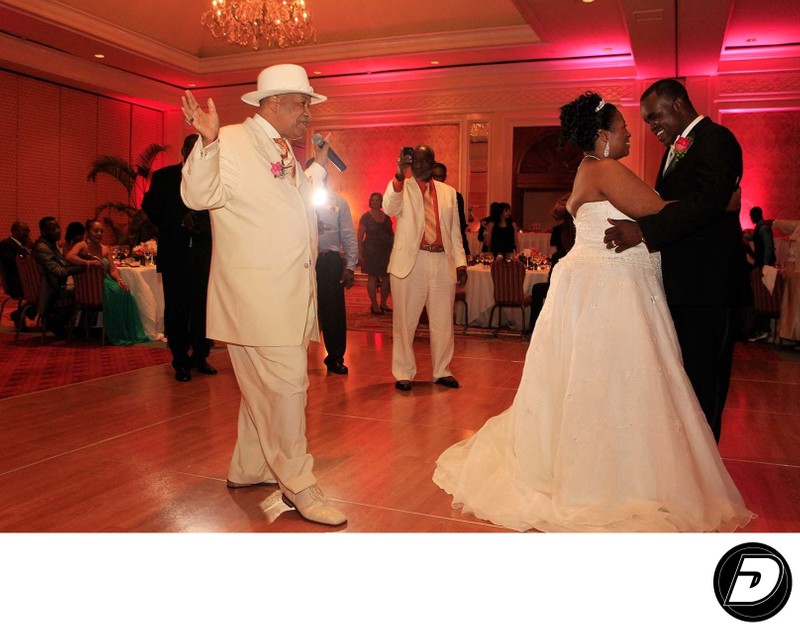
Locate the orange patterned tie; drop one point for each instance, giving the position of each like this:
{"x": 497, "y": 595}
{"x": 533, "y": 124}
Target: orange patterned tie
{"x": 287, "y": 159}
{"x": 430, "y": 215}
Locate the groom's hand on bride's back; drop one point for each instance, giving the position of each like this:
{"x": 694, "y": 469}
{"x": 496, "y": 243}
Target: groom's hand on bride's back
{"x": 623, "y": 234}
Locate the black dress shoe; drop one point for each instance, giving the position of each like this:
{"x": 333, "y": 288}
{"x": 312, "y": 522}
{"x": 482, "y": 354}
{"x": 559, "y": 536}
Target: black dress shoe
{"x": 447, "y": 381}
{"x": 183, "y": 374}
{"x": 205, "y": 368}
{"x": 338, "y": 368}
{"x": 403, "y": 386}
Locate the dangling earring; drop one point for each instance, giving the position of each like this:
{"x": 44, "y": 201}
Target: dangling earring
{"x": 606, "y": 151}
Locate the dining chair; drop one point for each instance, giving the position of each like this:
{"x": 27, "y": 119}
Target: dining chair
{"x": 88, "y": 299}
{"x": 7, "y": 293}
{"x": 508, "y": 277}
{"x": 30, "y": 276}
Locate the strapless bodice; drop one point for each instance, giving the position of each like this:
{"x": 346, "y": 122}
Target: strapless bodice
{"x": 591, "y": 223}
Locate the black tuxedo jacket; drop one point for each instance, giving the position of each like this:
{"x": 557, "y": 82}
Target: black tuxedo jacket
{"x": 184, "y": 235}
{"x": 462, "y": 220}
{"x": 702, "y": 253}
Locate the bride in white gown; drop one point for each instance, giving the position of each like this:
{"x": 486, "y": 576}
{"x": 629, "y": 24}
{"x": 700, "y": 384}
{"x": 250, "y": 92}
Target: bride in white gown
{"x": 605, "y": 432}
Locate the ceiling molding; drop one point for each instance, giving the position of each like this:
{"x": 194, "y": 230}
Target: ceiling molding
{"x": 498, "y": 37}
{"x": 58, "y": 67}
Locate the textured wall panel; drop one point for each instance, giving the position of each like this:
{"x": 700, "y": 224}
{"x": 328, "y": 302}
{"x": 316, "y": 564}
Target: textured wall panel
{"x": 771, "y": 178}
{"x": 38, "y": 127}
{"x": 147, "y": 128}
{"x": 78, "y": 142}
{"x": 9, "y": 154}
{"x": 113, "y": 138}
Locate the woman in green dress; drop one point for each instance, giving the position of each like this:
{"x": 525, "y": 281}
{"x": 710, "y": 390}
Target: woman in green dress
{"x": 120, "y": 314}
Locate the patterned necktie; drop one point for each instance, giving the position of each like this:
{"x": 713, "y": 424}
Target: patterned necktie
{"x": 430, "y": 216}
{"x": 287, "y": 159}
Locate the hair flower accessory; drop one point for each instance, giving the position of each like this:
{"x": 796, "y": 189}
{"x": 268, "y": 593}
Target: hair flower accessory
{"x": 681, "y": 146}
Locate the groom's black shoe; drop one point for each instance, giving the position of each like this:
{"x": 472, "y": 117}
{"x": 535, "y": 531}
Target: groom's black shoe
{"x": 403, "y": 386}
{"x": 205, "y": 368}
{"x": 337, "y": 367}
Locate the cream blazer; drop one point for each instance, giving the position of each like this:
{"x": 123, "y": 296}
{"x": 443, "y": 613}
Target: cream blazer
{"x": 264, "y": 233}
{"x": 409, "y": 209}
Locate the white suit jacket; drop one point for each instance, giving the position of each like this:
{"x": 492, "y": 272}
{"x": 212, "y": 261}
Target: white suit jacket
{"x": 409, "y": 209}
{"x": 265, "y": 238}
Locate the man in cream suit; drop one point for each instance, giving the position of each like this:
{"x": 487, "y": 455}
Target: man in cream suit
{"x": 426, "y": 262}
{"x": 262, "y": 288}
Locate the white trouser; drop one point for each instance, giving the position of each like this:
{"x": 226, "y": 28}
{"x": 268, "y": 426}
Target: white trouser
{"x": 430, "y": 285}
{"x": 271, "y": 440}
{"x": 272, "y": 416}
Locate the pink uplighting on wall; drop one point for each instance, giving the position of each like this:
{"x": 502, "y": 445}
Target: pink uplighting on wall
{"x": 771, "y": 179}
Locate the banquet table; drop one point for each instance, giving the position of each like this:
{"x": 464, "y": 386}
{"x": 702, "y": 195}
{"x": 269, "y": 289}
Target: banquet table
{"x": 534, "y": 240}
{"x": 148, "y": 292}
{"x": 480, "y": 298}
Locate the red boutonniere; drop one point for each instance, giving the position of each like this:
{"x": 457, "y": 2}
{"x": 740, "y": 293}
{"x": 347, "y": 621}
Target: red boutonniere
{"x": 279, "y": 169}
{"x": 681, "y": 146}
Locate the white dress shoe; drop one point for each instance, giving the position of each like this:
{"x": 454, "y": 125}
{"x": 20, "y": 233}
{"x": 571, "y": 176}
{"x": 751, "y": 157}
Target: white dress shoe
{"x": 312, "y": 504}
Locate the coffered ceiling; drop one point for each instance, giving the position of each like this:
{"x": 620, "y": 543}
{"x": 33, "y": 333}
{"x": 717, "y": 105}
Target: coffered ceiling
{"x": 162, "y": 41}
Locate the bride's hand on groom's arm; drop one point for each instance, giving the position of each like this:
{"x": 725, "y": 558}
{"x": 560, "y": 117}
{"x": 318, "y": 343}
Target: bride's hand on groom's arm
{"x": 623, "y": 234}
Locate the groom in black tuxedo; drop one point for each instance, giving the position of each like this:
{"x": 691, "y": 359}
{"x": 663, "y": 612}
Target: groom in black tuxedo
{"x": 700, "y": 239}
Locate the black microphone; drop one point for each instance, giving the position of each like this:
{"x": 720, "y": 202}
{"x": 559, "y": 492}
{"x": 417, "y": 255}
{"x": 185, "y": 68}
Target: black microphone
{"x": 335, "y": 159}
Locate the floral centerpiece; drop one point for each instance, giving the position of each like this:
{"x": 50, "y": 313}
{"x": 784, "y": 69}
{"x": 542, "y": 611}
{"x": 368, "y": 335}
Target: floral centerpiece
{"x": 146, "y": 251}
{"x": 533, "y": 259}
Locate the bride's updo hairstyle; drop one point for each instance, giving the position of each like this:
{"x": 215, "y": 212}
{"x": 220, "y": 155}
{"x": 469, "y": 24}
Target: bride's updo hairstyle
{"x": 583, "y": 118}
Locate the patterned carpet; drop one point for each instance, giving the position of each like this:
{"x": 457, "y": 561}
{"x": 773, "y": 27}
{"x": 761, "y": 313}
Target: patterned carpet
{"x": 29, "y": 365}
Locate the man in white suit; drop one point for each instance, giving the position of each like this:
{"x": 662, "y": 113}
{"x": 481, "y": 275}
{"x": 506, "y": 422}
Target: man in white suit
{"x": 262, "y": 287}
{"x": 426, "y": 262}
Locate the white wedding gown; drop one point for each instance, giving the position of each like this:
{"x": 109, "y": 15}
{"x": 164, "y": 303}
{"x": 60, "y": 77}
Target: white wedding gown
{"x": 605, "y": 432}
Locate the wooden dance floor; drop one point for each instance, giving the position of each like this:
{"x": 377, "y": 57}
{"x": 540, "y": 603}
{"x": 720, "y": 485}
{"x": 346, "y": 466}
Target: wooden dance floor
{"x": 140, "y": 452}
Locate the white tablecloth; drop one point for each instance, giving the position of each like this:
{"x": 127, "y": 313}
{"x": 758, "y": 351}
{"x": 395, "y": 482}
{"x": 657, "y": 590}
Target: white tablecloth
{"x": 537, "y": 240}
{"x": 147, "y": 290}
{"x": 789, "y": 325}
{"x": 480, "y": 298}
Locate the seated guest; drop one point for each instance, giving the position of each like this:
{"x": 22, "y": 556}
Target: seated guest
{"x": 484, "y": 223}
{"x": 74, "y": 234}
{"x": 501, "y": 233}
{"x": 120, "y": 315}
{"x": 56, "y": 270}
{"x": 18, "y": 244}
{"x": 562, "y": 238}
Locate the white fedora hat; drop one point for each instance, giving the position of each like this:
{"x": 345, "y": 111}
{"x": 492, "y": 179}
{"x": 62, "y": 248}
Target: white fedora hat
{"x": 285, "y": 78}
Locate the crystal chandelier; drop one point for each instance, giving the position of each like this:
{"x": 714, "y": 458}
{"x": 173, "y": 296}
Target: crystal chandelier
{"x": 272, "y": 23}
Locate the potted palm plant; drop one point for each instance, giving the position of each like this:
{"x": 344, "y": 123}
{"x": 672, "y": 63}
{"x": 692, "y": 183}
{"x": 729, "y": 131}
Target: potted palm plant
{"x": 135, "y": 180}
